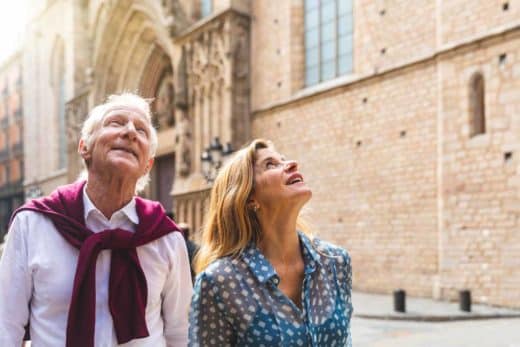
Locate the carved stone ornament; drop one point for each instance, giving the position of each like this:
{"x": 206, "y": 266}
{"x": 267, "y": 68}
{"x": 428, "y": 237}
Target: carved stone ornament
{"x": 165, "y": 103}
{"x": 176, "y": 18}
{"x": 183, "y": 142}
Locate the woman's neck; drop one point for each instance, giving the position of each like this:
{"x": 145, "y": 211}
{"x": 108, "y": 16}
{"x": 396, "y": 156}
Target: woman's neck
{"x": 279, "y": 241}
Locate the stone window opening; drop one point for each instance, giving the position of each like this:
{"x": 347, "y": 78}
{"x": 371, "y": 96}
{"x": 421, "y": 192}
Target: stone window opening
{"x": 206, "y": 8}
{"x": 477, "y": 105}
{"x": 328, "y": 26}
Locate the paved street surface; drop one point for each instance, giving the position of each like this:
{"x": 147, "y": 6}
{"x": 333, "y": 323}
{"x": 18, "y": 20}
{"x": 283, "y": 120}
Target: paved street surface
{"x": 423, "y": 309}
{"x": 469, "y": 333}
{"x": 431, "y": 323}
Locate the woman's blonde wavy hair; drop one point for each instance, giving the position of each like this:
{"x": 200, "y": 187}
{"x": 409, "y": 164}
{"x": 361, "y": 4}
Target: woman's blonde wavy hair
{"x": 230, "y": 223}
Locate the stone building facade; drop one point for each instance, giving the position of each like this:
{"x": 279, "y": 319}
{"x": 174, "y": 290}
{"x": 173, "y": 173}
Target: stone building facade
{"x": 404, "y": 116}
{"x": 11, "y": 139}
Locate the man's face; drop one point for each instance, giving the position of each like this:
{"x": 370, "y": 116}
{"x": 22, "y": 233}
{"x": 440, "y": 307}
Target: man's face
{"x": 121, "y": 145}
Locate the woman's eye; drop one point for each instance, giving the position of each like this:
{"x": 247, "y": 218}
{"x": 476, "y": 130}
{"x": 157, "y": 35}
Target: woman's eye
{"x": 271, "y": 165}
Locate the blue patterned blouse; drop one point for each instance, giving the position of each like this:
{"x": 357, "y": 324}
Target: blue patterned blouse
{"x": 237, "y": 301}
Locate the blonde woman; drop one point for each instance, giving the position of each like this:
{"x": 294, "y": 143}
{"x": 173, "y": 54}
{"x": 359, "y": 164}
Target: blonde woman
{"x": 261, "y": 281}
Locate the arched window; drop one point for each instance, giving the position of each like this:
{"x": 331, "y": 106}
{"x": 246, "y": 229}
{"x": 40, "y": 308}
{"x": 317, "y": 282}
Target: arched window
{"x": 477, "y": 105}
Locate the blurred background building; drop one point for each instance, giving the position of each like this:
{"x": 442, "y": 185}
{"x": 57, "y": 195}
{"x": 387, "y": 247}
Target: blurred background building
{"x": 404, "y": 115}
{"x": 11, "y": 139}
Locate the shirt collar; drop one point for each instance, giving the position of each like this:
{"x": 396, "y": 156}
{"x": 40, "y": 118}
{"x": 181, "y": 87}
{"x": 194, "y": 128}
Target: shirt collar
{"x": 258, "y": 263}
{"x": 128, "y": 210}
{"x": 311, "y": 258}
{"x": 264, "y": 271}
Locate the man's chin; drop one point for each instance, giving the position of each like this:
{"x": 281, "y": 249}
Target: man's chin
{"x": 124, "y": 166}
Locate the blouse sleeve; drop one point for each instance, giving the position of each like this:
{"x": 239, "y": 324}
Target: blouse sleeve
{"x": 208, "y": 323}
{"x": 345, "y": 278}
{"x": 345, "y": 275}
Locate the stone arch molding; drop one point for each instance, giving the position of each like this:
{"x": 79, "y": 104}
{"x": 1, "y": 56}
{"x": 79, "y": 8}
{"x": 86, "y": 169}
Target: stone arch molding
{"x": 124, "y": 35}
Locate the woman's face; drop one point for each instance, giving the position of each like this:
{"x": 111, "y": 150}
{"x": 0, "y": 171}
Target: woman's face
{"x": 278, "y": 181}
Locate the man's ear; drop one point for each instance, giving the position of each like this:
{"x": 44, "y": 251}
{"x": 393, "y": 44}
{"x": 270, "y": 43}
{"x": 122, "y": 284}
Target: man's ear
{"x": 149, "y": 165}
{"x": 83, "y": 150}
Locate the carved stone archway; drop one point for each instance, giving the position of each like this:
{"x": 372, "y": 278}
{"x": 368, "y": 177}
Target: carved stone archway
{"x": 212, "y": 101}
{"x": 132, "y": 50}
{"x": 132, "y": 34}
{"x": 157, "y": 83}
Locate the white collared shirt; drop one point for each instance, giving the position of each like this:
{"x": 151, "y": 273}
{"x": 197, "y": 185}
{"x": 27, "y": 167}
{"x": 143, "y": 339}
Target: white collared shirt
{"x": 37, "y": 273}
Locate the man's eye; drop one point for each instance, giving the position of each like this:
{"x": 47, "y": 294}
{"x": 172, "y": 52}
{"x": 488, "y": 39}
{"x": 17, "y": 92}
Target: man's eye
{"x": 115, "y": 122}
{"x": 142, "y": 131}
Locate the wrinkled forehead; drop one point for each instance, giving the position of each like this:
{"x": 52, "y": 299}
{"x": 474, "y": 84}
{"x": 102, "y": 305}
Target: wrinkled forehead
{"x": 127, "y": 111}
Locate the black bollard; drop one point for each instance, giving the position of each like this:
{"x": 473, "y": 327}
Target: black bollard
{"x": 399, "y": 300}
{"x": 465, "y": 300}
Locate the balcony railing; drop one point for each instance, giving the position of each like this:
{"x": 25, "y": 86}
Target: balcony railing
{"x": 8, "y": 188}
{"x": 190, "y": 207}
{"x": 4, "y": 155}
{"x": 4, "y": 122}
{"x": 17, "y": 148}
{"x": 18, "y": 113}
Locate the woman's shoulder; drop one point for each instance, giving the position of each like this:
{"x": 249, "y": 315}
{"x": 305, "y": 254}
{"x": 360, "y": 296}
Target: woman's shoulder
{"x": 336, "y": 258}
{"x": 331, "y": 252}
{"x": 219, "y": 271}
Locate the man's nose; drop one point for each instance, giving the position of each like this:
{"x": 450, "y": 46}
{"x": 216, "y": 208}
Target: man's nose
{"x": 290, "y": 165}
{"x": 130, "y": 129}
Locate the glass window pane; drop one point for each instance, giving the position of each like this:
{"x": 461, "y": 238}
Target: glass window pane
{"x": 312, "y": 56}
{"x": 310, "y": 4}
{"x": 344, "y": 6}
{"x": 312, "y": 19}
{"x": 205, "y": 8}
{"x": 312, "y": 75}
{"x": 328, "y": 12}
{"x": 345, "y": 24}
{"x": 328, "y": 50}
{"x": 312, "y": 38}
{"x": 328, "y": 70}
{"x": 345, "y": 64}
{"x": 328, "y": 32}
{"x": 345, "y": 44}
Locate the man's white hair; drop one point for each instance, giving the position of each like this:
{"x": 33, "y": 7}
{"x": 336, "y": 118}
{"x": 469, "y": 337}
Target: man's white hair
{"x": 98, "y": 113}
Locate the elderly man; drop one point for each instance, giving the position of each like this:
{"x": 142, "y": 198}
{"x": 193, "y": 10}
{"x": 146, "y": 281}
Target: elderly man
{"x": 92, "y": 264}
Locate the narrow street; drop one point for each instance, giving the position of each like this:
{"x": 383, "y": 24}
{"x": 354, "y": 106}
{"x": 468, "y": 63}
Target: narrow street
{"x": 471, "y": 333}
